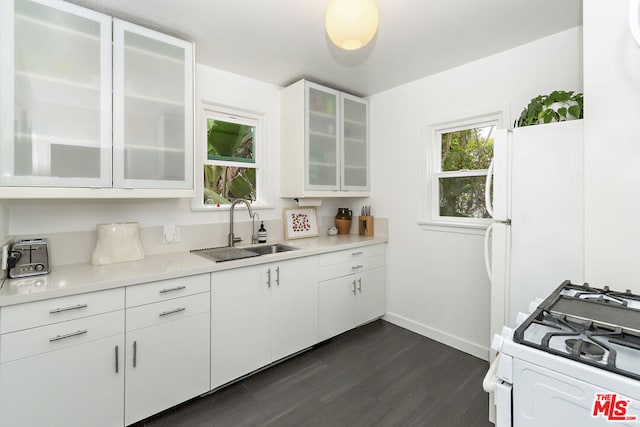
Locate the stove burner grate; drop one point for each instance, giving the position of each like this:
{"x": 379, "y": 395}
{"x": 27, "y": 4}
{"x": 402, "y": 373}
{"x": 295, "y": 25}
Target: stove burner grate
{"x": 584, "y": 339}
{"x": 584, "y": 349}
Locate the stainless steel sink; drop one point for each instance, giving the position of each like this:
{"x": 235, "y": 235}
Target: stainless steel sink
{"x": 228, "y": 253}
{"x": 270, "y": 249}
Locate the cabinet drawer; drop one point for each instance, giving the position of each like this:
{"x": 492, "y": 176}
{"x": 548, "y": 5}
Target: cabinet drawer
{"x": 20, "y": 344}
{"x": 46, "y": 312}
{"x": 166, "y": 289}
{"x": 349, "y": 255}
{"x": 167, "y": 311}
{"x": 356, "y": 265}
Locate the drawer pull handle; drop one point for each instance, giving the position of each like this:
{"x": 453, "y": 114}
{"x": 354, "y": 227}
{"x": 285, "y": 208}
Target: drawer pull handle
{"x": 177, "y": 310}
{"x": 72, "y": 334}
{"x": 117, "y": 367}
{"x": 278, "y": 276}
{"x": 354, "y": 287}
{"x": 360, "y": 285}
{"x": 177, "y": 288}
{"x": 135, "y": 353}
{"x": 73, "y": 307}
{"x": 357, "y": 253}
{"x": 355, "y": 267}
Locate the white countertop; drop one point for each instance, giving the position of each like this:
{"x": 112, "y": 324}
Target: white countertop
{"x": 80, "y": 278}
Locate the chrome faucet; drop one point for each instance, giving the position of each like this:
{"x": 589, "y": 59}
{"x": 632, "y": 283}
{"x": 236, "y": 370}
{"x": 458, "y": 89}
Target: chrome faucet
{"x": 233, "y": 239}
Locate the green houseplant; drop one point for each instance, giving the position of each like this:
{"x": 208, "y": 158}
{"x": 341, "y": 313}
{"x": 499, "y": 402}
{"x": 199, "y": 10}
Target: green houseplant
{"x": 557, "y": 106}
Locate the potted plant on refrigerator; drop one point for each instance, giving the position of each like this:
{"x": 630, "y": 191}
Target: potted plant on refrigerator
{"x": 557, "y": 106}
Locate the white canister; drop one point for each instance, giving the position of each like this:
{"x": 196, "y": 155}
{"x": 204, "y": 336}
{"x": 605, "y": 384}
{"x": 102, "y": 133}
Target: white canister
{"x": 117, "y": 242}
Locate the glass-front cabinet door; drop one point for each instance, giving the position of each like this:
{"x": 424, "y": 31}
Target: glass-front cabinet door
{"x": 55, "y": 95}
{"x": 153, "y": 109}
{"x": 322, "y": 143}
{"x": 355, "y": 137}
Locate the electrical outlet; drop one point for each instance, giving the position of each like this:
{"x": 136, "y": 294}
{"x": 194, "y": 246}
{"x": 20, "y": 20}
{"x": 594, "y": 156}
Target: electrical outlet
{"x": 170, "y": 233}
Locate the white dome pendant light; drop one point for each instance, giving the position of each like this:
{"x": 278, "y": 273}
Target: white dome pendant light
{"x": 351, "y": 24}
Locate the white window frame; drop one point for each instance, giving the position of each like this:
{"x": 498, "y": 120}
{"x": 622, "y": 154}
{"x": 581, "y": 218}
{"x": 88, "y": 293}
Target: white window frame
{"x": 432, "y": 146}
{"x": 211, "y": 110}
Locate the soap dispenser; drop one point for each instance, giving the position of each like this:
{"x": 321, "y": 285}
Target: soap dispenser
{"x": 262, "y": 233}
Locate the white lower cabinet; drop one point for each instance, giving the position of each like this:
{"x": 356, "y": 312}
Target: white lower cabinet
{"x": 115, "y": 357}
{"x": 351, "y": 290}
{"x": 371, "y": 295}
{"x": 261, "y": 314}
{"x": 167, "y": 351}
{"x": 75, "y": 386}
{"x": 68, "y": 373}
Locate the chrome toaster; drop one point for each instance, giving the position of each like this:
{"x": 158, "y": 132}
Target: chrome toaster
{"x": 29, "y": 257}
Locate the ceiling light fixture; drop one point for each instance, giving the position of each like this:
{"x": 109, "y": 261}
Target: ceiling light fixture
{"x": 351, "y": 24}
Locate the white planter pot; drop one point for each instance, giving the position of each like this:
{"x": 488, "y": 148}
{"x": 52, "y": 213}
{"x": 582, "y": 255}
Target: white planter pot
{"x": 557, "y": 105}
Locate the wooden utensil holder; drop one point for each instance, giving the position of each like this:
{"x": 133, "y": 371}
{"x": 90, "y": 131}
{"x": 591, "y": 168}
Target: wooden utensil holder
{"x": 365, "y": 225}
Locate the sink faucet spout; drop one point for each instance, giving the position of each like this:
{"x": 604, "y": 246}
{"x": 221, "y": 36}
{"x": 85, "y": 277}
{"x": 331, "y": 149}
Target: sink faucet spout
{"x": 232, "y": 238}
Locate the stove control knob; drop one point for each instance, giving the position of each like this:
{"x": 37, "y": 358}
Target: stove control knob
{"x": 521, "y": 317}
{"x": 39, "y": 267}
{"x": 496, "y": 343}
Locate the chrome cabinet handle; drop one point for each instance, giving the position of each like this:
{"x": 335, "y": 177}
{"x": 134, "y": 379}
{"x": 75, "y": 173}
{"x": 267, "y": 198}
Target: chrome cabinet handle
{"x": 116, "y": 359}
{"x": 355, "y": 267}
{"x": 65, "y": 336}
{"x": 177, "y": 288}
{"x": 269, "y": 277}
{"x": 357, "y": 253}
{"x": 360, "y": 285}
{"x": 74, "y": 307}
{"x": 177, "y": 310}
{"x": 278, "y": 276}
{"x": 135, "y": 353}
{"x": 354, "y": 287}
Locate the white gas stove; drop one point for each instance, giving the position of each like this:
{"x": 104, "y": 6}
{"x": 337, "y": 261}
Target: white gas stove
{"x": 574, "y": 361}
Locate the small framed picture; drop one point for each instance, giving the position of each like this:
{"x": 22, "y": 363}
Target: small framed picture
{"x": 300, "y": 222}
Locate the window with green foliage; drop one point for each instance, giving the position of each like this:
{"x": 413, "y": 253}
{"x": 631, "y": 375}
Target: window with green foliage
{"x": 231, "y": 163}
{"x": 462, "y": 151}
{"x": 465, "y": 155}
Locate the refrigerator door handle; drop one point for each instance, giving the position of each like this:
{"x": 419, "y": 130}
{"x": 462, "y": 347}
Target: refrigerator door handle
{"x": 487, "y": 190}
{"x": 487, "y": 256}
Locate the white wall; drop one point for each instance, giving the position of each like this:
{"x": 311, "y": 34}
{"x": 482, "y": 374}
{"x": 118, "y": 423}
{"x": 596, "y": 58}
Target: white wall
{"x": 437, "y": 284}
{"x": 48, "y": 216}
{"x": 4, "y": 220}
{"x": 612, "y": 146}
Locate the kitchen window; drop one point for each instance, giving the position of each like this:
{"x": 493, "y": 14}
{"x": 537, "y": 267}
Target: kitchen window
{"x": 229, "y": 158}
{"x": 459, "y": 155}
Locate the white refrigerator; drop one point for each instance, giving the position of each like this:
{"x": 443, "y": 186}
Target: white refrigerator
{"x": 536, "y": 239}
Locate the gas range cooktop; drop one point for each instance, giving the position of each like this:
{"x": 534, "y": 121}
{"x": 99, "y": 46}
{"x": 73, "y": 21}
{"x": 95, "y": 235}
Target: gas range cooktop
{"x": 595, "y": 326}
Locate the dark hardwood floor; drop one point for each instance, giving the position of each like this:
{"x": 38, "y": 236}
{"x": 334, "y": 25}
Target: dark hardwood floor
{"x": 376, "y": 375}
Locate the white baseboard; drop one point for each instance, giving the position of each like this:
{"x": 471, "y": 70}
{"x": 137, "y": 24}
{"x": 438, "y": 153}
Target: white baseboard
{"x": 452, "y": 341}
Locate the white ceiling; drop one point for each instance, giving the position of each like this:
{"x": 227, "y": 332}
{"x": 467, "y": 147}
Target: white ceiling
{"x": 281, "y": 41}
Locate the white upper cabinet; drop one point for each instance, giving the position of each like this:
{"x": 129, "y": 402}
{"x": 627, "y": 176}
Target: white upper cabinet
{"x": 85, "y": 108}
{"x": 325, "y": 142}
{"x": 153, "y": 109}
{"x": 322, "y": 141}
{"x": 355, "y": 144}
{"x": 56, "y": 95}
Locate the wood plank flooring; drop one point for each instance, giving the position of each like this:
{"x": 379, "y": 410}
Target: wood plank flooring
{"x": 376, "y": 375}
